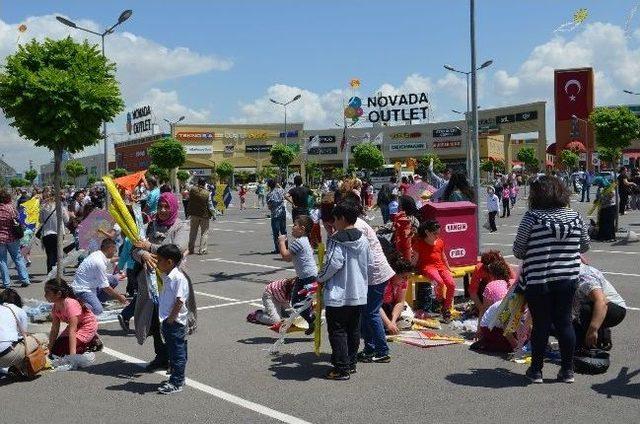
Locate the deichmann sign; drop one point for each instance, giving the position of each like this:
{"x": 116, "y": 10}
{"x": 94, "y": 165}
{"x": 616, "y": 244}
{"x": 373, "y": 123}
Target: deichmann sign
{"x": 138, "y": 121}
{"x": 199, "y": 150}
{"x": 194, "y": 135}
{"x": 407, "y": 146}
{"x": 257, "y": 148}
{"x": 446, "y": 144}
{"x": 418, "y": 105}
{"x": 447, "y": 132}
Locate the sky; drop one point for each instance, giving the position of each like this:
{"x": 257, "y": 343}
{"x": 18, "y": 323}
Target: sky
{"x": 220, "y": 61}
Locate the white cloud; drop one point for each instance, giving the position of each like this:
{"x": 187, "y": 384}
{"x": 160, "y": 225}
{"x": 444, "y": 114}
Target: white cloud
{"x": 504, "y": 84}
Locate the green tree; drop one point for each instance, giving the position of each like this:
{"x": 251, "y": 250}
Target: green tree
{"x": 486, "y": 166}
{"x": 30, "y": 175}
{"x": 368, "y": 157}
{"x": 313, "y": 170}
{"x": 91, "y": 179}
{"x": 18, "y": 182}
{"x": 569, "y": 159}
{"x": 282, "y": 156}
{"x": 119, "y": 172}
{"x": 609, "y": 155}
{"x": 267, "y": 173}
{"x": 423, "y": 164}
{"x": 615, "y": 127}
{"x": 337, "y": 173}
{"x": 169, "y": 154}
{"x": 161, "y": 174}
{"x": 243, "y": 177}
{"x": 500, "y": 166}
{"x": 74, "y": 169}
{"x": 58, "y": 93}
{"x": 528, "y": 156}
{"x": 224, "y": 170}
{"x": 183, "y": 176}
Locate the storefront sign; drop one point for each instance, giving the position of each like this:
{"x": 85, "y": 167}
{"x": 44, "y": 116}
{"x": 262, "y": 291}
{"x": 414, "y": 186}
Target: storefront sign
{"x": 257, "y": 148}
{"x": 447, "y": 132}
{"x": 527, "y": 116}
{"x": 194, "y": 136}
{"x": 403, "y": 107}
{"x": 228, "y": 149}
{"x": 290, "y": 134}
{"x": 353, "y": 148}
{"x": 323, "y": 151}
{"x": 200, "y": 172}
{"x": 139, "y": 120}
{"x": 487, "y": 125}
{"x": 406, "y": 135}
{"x": 324, "y": 138}
{"x": 446, "y": 144}
{"x": 408, "y": 146}
{"x": 505, "y": 119}
{"x": 199, "y": 150}
{"x": 258, "y": 135}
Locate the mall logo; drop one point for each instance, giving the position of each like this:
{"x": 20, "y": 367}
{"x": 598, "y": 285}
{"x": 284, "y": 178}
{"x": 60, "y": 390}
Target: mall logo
{"x": 456, "y": 227}
{"x": 457, "y": 253}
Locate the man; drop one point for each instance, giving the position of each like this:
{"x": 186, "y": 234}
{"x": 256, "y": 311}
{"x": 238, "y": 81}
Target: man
{"x": 587, "y": 178}
{"x": 299, "y": 197}
{"x": 200, "y": 214}
{"x": 597, "y": 307}
{"x": 439, "y": 182}
{"x": 153, "y": 197}
{"x": 624, "y": 189}
{"x": 385, "y": 196}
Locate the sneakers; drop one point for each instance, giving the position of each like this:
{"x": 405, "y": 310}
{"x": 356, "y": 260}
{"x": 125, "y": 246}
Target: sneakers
{"x": 353, "y": 370}
{"x": 534, "y": 376}
{"x": 381, "y": 359}
{"x": 366, "y": 357}
{"x": 124, "y": 324}
{"x": 168, "y": 389}
{"x": 566, "y": 376}
{"x": 334, "y": 374}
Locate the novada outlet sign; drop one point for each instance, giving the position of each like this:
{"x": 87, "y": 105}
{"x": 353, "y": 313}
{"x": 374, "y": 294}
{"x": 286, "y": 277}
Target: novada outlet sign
{"x": 391, "y": 109}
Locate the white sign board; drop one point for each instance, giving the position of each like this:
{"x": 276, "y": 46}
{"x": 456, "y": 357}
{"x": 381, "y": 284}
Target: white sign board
{"x": 200, "y": 172}
{"x": 199, "y": 150}
{"x": 407, "y": 146}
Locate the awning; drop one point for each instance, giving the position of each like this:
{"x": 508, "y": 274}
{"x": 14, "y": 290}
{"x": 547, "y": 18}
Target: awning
{"x": 129, "y": 182}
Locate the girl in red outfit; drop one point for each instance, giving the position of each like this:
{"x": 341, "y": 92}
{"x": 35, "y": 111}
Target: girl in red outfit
{"x": 432, "y": 263}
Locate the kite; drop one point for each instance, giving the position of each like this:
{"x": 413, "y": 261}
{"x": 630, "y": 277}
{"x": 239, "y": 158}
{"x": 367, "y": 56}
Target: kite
{"x": 29, "y": 213}
{"x": 89, "y": 234}
{"x": 284, "y": 326}
{"x": 419, "y": 189}
{"x": 354, "y": 110}
{"x": 630, "y": 16}
{"x": 579, "y": 16}
{"x": 425, "y": 339}
{"x": 21, "y": 29}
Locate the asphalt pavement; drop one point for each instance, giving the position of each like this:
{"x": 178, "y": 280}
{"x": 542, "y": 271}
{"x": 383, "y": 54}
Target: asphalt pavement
{"x": 233, "y": 379}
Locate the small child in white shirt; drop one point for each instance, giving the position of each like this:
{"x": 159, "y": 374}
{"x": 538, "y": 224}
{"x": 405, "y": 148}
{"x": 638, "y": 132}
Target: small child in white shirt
{"x": 493, "y": 206}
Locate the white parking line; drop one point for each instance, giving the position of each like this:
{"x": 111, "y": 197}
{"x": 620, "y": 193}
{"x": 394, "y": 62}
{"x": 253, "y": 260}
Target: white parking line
{"x": 255, "y": 222}
{"x": 225, "y": 261}
{"x": 216, "y": 296}
{"x": 224, "y": 230}
{"x": 236, "y": 400}
{"x": 240, "y": 302}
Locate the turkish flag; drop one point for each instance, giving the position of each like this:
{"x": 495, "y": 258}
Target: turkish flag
{"x": 573, "y": 93}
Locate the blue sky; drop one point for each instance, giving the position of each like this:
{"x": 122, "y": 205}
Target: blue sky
{"x": 280, "y": 47}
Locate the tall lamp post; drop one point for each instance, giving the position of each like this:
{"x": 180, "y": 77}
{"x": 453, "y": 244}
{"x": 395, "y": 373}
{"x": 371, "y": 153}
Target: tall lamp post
{"x": 174, "y": 171}
{"x": 470, "y": 148}
{"x": 284, "y": 105}
{"x": 172, "y": 124}
{"x": 123, "y": 17}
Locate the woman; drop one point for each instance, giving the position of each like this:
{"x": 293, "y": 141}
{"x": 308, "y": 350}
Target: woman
{"x": 607, "y": 213}
{"x": 458, "y": 189}
{"x": 492, "y": 267}
{"x": 13, "y": 324}
{"x": 49, "y": 227}
{"x": 275, "y": 202}
{"x": 164, "y": 228}
{"x": 10, "y": 242}
{"x": 550, "y": 239}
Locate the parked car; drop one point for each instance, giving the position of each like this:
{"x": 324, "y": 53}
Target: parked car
{"x": 252, "y": 186}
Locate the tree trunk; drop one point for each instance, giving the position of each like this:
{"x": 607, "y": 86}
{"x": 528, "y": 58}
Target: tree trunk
{"x": 57, "y": 158}
{"x": 174, "y": 180}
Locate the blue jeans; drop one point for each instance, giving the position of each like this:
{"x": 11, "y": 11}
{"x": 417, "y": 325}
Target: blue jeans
{"x": 14, "y": 250}
{"x": 278, "y": 226}
{"x": 93, "y": 300}
{"x": 372, "y": 328}
{"x": 175, "y": 338}
{"x": 384, "y": 210}
{"x": 585, "y": 190}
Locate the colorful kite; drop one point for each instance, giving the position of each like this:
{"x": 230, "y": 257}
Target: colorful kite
{"x": 355, "y": 83}
{"x": 579, "y": 16}
{"x": 354, "y": 110}
{"x": 29, "y": 213}
{"x": 89, "y": 230}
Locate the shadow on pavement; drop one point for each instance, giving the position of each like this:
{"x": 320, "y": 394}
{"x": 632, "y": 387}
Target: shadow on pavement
{"x": 620, "y": 386}
{"x": 301, "y": 367}
{"x": 257, "y": 254}
{"x": 270, "y": 340}
{"x": 135, "y": 387}
{"x": 494, "y": 378}
{"x": 117, "y": 368}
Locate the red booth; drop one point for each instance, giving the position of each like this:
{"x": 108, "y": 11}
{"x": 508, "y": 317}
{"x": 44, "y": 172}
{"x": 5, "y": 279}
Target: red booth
{"x": 458, "y": 229}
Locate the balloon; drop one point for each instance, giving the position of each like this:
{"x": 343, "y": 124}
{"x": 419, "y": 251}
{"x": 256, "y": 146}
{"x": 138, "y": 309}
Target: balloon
{"x": 359, "y": 111}
{"x": 355, "y": 102}
{"x": 355, "y": 83}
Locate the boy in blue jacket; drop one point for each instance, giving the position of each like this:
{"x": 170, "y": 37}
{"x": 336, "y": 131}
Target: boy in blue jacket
{"x": 345, "y": 275}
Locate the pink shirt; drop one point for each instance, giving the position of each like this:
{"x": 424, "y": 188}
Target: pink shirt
{"x": 495, "y": 291}
{"x": 87, "y": 322}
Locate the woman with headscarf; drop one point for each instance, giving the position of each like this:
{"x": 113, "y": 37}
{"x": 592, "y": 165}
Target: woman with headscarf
{"x": 164, "y": 228}
{"x": 458, "y": 189}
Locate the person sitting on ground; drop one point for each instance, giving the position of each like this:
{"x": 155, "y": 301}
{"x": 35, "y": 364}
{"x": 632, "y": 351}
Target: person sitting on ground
{"x": 13, "y": 326}
{"x": 276, "y": 299}
{"x": 393, "y": 301}
{"x": 490, "y": 262}
{"x": 91, "y": 283}
{"x": 597, "y": 307}
{"x": 300, "y": 253}
{"x": 81, "y": 334}
{"x": 432, "y": 263}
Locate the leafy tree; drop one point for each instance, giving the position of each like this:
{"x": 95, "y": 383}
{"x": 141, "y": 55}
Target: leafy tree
{"x": 313, "y": 170}
{"x": 183, "y": 176}
{"x": 615, "y": 127}
{"x": 169, "y": 154}
{"x": 499, "y": 166}
{"x": 423, "y": 164}
{"x": 224, "y": 171}
{"x": 569, "y": 159}
{"x": 30, "y": 175}
{"x": 528, "y": 156}
{"x": 160, "y": 173}
{"x": 367, "y": 156}
{"x": 74, "y": 169}
{"x": 337, "y": 173}
{"x": 119, "y": 172}
{"x": 58, "y": 93}
{"x": 243, "y": 177}
{"x": 91, "y": 179}
{"x": 486, "y": 166}
{"x": 282, "y": 156}
{"x": 267, "y": 173}
{"x": 609, "y": 155}
{"x": 18, "y": 182}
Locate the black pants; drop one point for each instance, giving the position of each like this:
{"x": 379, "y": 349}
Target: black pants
{"x": 615, "y": 315}
{"x": 185, "y": 204}
{"x": 492, "y": 221}
{"x": 552, "y": 305}
{"x": 50, "y": 243}
{"x": 159, "y": 347}
{"x": 607, "y": 223}
{"x": 343, "y": 325}
{"x": 506, "y": 208}
{"x": 624, "y": 200}
{"x": 295, "y": 297}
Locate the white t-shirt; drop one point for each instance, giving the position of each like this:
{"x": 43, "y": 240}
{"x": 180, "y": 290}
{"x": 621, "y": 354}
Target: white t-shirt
{"x": 489, "y": 315}
{"x": 9, "y": 331}
{"x": 91, "y": 274}
{"x": 176, "y": 286}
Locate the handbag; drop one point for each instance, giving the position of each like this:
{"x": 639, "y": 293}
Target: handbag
{"x": 17, "y": 229}
{"x": 39, "y": 231}
{"x": 35, "y": 361}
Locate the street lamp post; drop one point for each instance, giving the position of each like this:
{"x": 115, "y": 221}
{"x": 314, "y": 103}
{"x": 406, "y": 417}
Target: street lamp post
{"x": 470, "y": 148}
{"x": 172, "y": 124}
{"x": 284, "y": 105}
{"x": 174, "y": 171}
{"x": 474, "y": 110}
{"x": 123, "y": 17}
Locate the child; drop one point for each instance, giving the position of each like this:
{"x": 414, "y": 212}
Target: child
{"x": 345, "y": 276}
{"x": 173, "y": 314}
{"x": 432, "y": 263}
{"x": 300, "y": 253}
{"x": 393, "y": 302}
{"x": 242, "y": 192}
{"x": 80, "y": 336}
{"x": 493, "y": 207}
{"x": 506, "y": 193}
{"x": 513, "y": 194}
{"x": 275, "y": 300}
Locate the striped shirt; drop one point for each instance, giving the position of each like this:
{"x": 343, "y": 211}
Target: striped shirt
{"x": 550, "y": 242}
{"x": 281, "y": 289}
